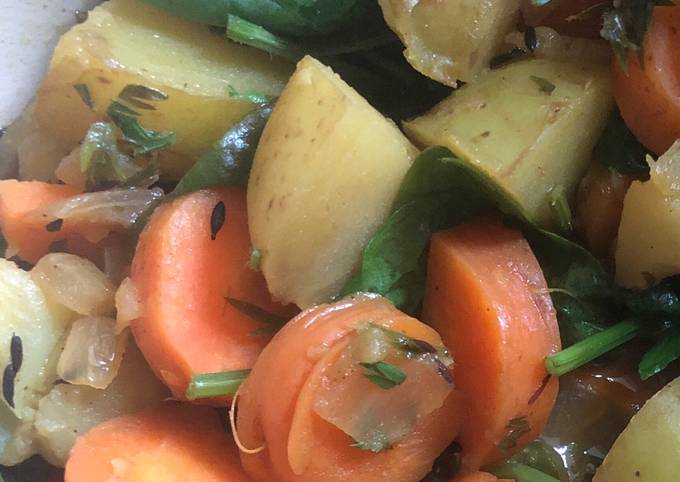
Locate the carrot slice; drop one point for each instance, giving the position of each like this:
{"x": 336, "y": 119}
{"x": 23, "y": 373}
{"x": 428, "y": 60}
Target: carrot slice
{"x": 648, "y": 93}
{"x": 487, "y": 297}
{"x": 188, "y": 282}
{"x": 28, "y": 239}
{"x": 169, "y": 443}
{"x": 278, "y": 407}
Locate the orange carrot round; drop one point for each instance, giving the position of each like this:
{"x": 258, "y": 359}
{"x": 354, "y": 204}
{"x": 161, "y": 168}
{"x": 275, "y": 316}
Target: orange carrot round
{"x": 487, "y": 298}
{"x": 172, "y": 443}
{"x": 190, "y": 266}
{"x": 282, "y": 419}
{"x": 648, "y": 94}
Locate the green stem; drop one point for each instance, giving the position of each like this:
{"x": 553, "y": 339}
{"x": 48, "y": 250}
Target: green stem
{"x": 247, "y": 33}
{"x": 592, "y": 347}
{"x": 221, "y": 384}
{"x": 521, "y": 473}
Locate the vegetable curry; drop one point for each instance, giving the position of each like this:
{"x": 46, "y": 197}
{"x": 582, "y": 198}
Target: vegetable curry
{"x": 328, "y": 240}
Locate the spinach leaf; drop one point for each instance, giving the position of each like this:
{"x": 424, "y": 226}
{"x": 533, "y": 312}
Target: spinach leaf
{"x": 619, "y": 150}
{"x": 665, "y": 351}
{"x": 291, "y": 17}
{"x": 661, "y": 299}
{"x": 228, "y": 161}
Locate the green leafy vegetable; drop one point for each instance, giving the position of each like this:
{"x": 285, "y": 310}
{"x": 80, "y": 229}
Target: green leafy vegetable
{"x": 106, "y": 166}
{"x": 228, "y": 161}
{"x": 625, "y": 25}
{"x": 619, "y": 150}
{"x": 662, "y": 354}
{"x": 222, "y": 384}
{"x": 559, "y": 203}
{"x": 515, "y": 428}
{"x": 249, "y": 97}
{"x": 521, "y": 473}
{"x": 384, "y": 374}
{"x": 544, "y": 85}
{"x": 145, "y": 140}
{"x": 542, "y": 457}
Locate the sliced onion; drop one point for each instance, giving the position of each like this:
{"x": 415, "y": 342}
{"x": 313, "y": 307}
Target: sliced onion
{"x": 115, "y": 207}
{"x": 128, "y": 304}
{"x": 92, "y": 353}
{"x": 69, "y": 171}
{"x": 75, "y": 283}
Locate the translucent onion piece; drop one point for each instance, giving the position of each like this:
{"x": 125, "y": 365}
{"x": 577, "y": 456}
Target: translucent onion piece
{"x": 92, "y": 353}
{"x": 69, "y": 171}
{"x": 119, "y": 207}
{"x": 75, "y": 283}
{"x": 375, "y": 417}
{"x": 128, "y": 304}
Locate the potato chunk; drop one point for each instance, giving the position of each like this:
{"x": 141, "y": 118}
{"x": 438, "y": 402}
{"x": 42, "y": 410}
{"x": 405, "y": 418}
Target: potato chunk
{"x": 323, "y": 180}
{"x": 647, "y": 450}
{"x": 451, "y": 40}
{"x": 28, "y": 320}
{"x": 529, "y": 126}
{"x": 649, "y": 233}
{"x": 127, "y": 42}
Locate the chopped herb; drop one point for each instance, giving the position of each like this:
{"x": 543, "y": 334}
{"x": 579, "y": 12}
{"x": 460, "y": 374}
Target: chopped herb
{"x": 54, "y": 226}
{"x": 530, "y": 39}
{"x": 16, "y": 351}
{"x": 249, "y": 97}
{"x": 8, "y": 378}
{"x": 544, "y": 85}
{"x": 144, "y": 140}
{"x": 136, "y": 95}
{"x": 221, "y": 384}
{"x": 256, "y": 313}
{"x": 560, "y": 207}
{"x": 521, "y": 472}
{"x": 516, "y": 427}
{"x": 384, "y": 374}
{"x": 619, "y": 150}
{"x": 84, "y": 93}
{"x": 217, "y": 218}
{"x": 255, "y": 259}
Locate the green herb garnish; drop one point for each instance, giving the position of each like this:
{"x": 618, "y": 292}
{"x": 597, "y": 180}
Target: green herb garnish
{"x": 619, "y": 150}
{"x": 515, "y": 428}
{"x": 559, "y": 203}
{"x": 544, "y": 85}
{"x": 84, "y": 93}
{"x": 384, "y": 374}
{"x": 248, "y": 97}
{"x": 221, "y": 384}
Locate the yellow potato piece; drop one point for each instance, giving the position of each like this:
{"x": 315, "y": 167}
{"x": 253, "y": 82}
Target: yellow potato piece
{"x": 127, "y": 42}
{"x": 451, "y": 40}
{"x": 649, "y": 233}
{"x": 647, "y": 450}
{"x": 323, "y": 181}
{"x": 528, "y": 140}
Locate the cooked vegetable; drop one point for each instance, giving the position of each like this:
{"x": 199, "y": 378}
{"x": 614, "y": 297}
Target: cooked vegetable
{"x": 70, "y": 411}
{"x": 649, "y": 231}
{"x": 577, "y": 18}
{"x": 75, "y": 283}
{"x": 184, "y": 279}
{"x": 125, "y": 43}
{"x": 92, "y": 352}
{"x": 528, "y": 142}
{"x": 451, "y": 41}
{"x": 599, "y": 203}
{"x": 27, "y": 315}
{"x": 484, "y": 284}
{"x": 646, "y": 449}
{"x": 645, "y": 89}
{"x": 168, "y": 442}
{"x": 327, "y": 419}
{"x": 313, "y": 199}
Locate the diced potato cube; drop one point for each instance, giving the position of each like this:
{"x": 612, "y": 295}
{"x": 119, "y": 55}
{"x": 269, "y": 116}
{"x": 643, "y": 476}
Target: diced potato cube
{"x": 530, "y": 126}
{"x": 323, "y": 181}
{"x": 126, "y": 42}
{"x": 451, "y": 40}
{"x": 649, "y": 233}
{"x": 647, "y": 450}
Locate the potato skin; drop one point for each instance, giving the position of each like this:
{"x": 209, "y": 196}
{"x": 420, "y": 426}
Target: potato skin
{"x": 647, "y": 450}
{"x": 451, "y": 40}
{"x": 127, "y": 42}
{"x": 323, "y": 180}
{"x": 529, "y": 141}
